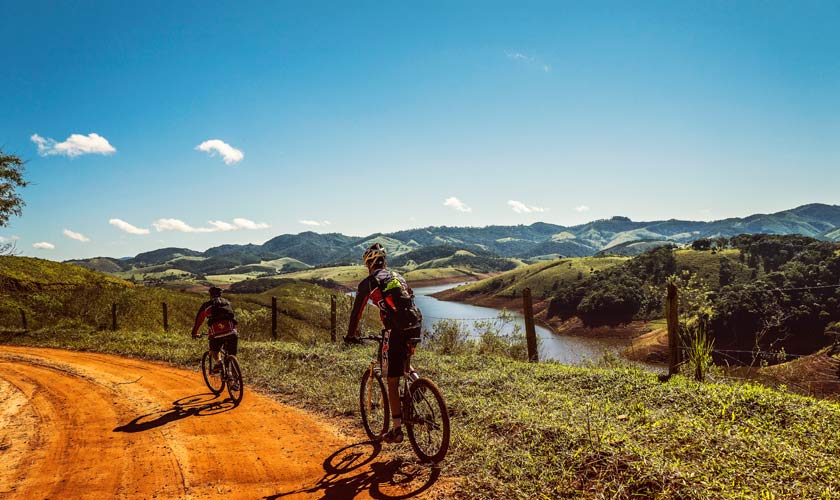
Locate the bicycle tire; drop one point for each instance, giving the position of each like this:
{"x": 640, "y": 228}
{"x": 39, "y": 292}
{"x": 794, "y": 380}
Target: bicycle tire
{"x": 428, "y": 424}
{"x": 373, "y": 402}
{"x": 235, "y": 386}
{"x": 215, "y": 382}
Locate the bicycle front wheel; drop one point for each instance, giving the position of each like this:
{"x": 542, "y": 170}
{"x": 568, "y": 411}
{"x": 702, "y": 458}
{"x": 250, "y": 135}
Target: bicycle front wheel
{"x": 215, "y": 382}
{"x": 373, "y": 405}
{"x": 428, "y": 422}
{"x": 236, "y": 389}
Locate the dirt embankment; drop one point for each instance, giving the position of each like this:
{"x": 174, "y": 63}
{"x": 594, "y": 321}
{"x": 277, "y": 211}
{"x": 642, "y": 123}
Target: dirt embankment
{"x": 82, "y": 425}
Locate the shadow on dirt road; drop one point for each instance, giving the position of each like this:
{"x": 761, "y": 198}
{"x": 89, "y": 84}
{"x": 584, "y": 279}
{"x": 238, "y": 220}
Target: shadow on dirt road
{"x": 197, "y": 405}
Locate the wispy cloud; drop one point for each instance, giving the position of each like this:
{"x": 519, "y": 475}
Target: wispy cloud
{"x": 230, "y": 154}
{"x": 75, "y": 236}
{"x": 249, "y": 224}
{"x": 521, "y": 208}
{"x": 4, "y": 239}
{"x": 457, "y": 204}
{"x": 43, "y": 245}
{"x": 128, "y": 228}
{"x": 528, "y": 60}
{"x": 581, "y": 208}
{"x": 308, "y": 222}
{"x": 75, "y": 145}
{"x": 215, "y": 226}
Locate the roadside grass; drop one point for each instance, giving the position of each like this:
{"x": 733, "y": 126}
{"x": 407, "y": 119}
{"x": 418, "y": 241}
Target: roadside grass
{"x": 552, "y": 431}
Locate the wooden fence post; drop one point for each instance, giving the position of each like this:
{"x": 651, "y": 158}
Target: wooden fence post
{"x": 165, "y": 318}
{"x": 333, "y": 318}
{"x": 672, "y": 312}
{"x": 530, "y": 331}
{"x": 23, "y": 320}
{"x": 274, "y": 318}
{"x": 114, "y": 317}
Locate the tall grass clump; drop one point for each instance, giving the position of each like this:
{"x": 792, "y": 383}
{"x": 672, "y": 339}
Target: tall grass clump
{"x": 495, "y": 337}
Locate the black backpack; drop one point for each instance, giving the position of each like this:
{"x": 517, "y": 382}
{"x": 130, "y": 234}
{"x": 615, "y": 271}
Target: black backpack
{"x": 221, "y": 310}
{"x": 397, "y": 301}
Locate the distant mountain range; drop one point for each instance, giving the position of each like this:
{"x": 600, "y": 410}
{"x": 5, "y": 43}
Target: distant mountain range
{"x": 618, "y": 235}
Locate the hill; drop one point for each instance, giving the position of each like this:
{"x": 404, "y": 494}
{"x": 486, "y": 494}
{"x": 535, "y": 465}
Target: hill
{"x": 614, "y": 236}
{"x": 61, "y": 296}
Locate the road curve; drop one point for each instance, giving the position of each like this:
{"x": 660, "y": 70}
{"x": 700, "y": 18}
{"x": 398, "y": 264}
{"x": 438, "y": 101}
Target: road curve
{"x": 85, "y": 425}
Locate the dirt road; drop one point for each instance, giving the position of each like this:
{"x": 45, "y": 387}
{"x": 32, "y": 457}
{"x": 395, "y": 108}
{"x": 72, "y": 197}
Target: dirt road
{"x": 83, "y": 425}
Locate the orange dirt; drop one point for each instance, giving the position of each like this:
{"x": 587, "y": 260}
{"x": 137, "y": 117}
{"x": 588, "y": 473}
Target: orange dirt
{"x": 82, "y": 425}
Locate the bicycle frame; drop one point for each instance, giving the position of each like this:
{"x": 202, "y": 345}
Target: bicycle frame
{"x": 409, "y": 374}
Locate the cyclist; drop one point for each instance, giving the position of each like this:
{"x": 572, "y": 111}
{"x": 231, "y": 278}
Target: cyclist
{"x": 219, "y": 315}
{"x": 401, "y": 318}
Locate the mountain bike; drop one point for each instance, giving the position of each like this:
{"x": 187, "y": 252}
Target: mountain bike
{"x": 425, "y": 417}
{"x": 228, "y": 375}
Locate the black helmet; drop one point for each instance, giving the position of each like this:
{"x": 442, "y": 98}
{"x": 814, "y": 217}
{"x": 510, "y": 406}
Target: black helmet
{"x": 215, "y": 291}
{"x": 374, "y": 253}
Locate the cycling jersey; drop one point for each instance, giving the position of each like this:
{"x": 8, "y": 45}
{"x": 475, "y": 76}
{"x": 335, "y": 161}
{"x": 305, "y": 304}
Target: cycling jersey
{"x": 391, "y": 306}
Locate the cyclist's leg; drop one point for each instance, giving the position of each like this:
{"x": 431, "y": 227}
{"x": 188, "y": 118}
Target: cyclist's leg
{"x": 215, "y": 345}
{"x": 397, "y": 358}
{"x": 231, "y": 344}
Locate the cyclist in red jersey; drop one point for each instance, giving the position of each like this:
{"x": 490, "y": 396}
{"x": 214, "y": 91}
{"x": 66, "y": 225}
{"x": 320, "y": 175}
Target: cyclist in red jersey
{"x": 219, "y": 315}
{"x": 395, "y": 299}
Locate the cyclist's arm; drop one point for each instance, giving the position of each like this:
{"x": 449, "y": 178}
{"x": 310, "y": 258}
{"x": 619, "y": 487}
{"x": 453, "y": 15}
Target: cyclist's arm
{"x": 199, "y": 318}
{"x": 362, "y": 296}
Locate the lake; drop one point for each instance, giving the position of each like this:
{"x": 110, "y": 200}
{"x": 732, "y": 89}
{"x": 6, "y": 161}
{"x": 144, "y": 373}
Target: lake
{"x": 565, "y": 349}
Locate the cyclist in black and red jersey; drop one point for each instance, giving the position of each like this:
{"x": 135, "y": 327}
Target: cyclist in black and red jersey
{"x": 388, "y": 290}
{"x": 219, "y": 315}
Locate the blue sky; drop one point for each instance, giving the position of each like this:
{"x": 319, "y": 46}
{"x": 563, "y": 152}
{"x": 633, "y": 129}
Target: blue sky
{"x": 370, "y": 116}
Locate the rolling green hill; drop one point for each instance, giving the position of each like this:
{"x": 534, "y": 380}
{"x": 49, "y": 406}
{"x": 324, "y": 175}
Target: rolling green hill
{"x": 538, "y": 241}
{"x": 55, "y": 295}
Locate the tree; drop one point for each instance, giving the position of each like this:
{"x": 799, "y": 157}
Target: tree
{"x": 11, "y": 178}
{"x": 701, "y": 244}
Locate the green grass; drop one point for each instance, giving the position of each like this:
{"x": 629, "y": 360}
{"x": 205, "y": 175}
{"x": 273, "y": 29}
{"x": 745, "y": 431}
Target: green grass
{"x": 540, "y": 277}
{"x": 707, "y": 264}
{"x": 439, "y": 273}
{"x": 341, "y": 274}
{"x": 551, "y": 431}
{"x": 55, "y": 295}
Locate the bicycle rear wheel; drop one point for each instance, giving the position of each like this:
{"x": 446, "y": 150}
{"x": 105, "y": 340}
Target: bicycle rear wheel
{"x": 428, "y": 422}
{"x": 373, "y": 405}
{"x": 215, "y": 382}
{"x": 235, "y": 387}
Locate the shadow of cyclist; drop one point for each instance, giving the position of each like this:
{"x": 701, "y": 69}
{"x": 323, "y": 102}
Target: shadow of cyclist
{"x": 197, "y": 405}
{"x": 346, "y": 475}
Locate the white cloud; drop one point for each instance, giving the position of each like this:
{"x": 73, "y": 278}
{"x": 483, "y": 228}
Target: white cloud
{"x": 215, "y": 226}
{"x": 249, "y": 224}
{"x": 581, "y": 208}
{"x": 75, "y": 145}
{"x": 128, "y": 228}
{"x": 43, "y": 245}
{"x": 521, "y": 208}
{"x": 230, "y": 154}
{"x": 457, "y": 204}
{"x": 75, "y": 236}
{"x": 529, "y": 60}
{"x": 179, "y": 225}
{"x": 307, "y": 222}
{"x": 4, "y": 239}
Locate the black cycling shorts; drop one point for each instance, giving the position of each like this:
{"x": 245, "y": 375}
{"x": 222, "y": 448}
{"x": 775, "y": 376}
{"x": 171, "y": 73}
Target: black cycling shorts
{"x": 231, "y": 342}
{"x": 400, "y": 344}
